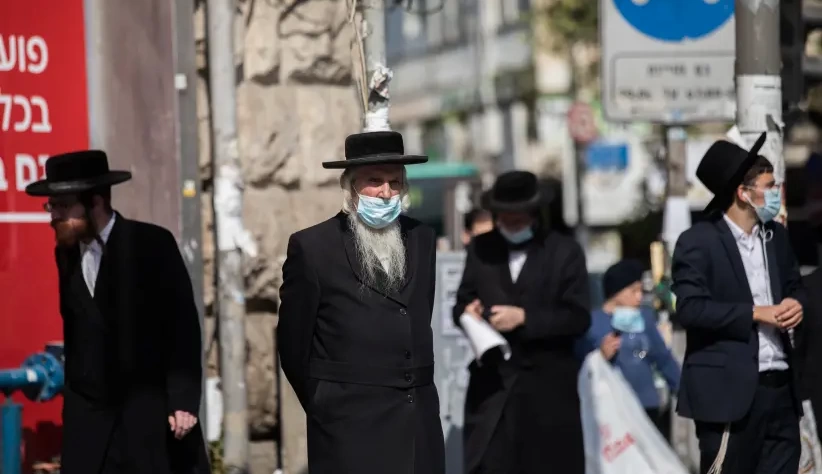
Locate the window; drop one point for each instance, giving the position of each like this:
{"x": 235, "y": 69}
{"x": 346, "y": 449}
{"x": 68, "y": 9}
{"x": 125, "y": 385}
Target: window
{"x": 415, "y": 27}
{"x": 433, "y": 140}
{"x": 394, "y": 37}
{"x": 513, "y": 11}
{"x": 468, "y": 20}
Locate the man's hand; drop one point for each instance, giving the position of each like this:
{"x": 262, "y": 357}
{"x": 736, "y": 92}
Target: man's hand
{"x": 767, "y": 315}
{"x": 474, "y": 308}
{"x": 506, "y": 318}
{"x": 181, "y": 423}
{"x": 610, "y": 345}
{"x": 790, "y": 314}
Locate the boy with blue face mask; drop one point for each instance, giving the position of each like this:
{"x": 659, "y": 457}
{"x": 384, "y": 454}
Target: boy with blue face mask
{"x": 627, "y": 335}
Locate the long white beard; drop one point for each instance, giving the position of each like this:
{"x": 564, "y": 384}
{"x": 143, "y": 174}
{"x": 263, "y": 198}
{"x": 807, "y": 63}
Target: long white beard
{"x": 379, "y": 250}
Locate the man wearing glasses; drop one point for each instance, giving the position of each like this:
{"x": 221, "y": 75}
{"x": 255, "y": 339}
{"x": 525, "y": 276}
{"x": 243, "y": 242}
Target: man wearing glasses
{"x": 131, "y": 329}
{"x": 739, "y": 296}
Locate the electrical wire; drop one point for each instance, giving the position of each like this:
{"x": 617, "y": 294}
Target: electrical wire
{"x": 362, "y": 82}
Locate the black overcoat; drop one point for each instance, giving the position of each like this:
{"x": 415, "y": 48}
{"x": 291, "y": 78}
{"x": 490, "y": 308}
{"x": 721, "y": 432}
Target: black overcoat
{"x": 809, "y": 346}
{"x": 132, "y": 355}
{"x": 522, "y": 415}
{"x": 361, "y": 360}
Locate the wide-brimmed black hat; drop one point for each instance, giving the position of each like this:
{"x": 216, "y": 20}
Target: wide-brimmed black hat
{"x": 374, "y": 148}
{"x": 76, "y": 172}
{"x": 722, "y": 169}
{"x": 516, "y": 191}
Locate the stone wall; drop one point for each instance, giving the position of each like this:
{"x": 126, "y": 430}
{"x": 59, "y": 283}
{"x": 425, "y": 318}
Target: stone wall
{"x": 296, "y": 104}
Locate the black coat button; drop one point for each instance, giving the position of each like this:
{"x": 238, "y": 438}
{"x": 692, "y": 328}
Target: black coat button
{"x": 403, "y": 311}
{"x": 410, "y": 398}
{"x": 408, "y": 377}
{"x": 407, "y": 354}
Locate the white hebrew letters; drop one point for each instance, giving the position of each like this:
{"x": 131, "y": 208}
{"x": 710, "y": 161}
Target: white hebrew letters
{"x": 24, "y": 113}
{"x": 25, "y": 170}
{"x": 25, "y": 122}
{"x": 27, "y": 54}
{"x": 43, "y": 126}
{"x": 4, "y": 184}
{"x": 41, "y": 160}
{"x": 38, "y": 54}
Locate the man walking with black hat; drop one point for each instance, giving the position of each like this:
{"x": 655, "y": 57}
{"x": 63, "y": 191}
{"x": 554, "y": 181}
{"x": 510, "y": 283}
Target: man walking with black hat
{"x": 531, "y": 284}
{"x": 354, "y": 335}
{"x": 739, "y": 294}
{"x": 132, "y": 334}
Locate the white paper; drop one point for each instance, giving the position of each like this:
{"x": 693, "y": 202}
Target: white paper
{"x": 676, "y": 219}
{"x": 483, "y": 337}
{"x": 214, "y": 409}
{"x": 810, "y": 460}
{"x": 759, "y": 96}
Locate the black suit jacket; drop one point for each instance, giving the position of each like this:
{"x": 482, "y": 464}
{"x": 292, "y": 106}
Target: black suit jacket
{"x": 132, "y": 354}
{"x": 714, "y": 305}
{"x": 809, "y": 345}
{"x": 360, "y": 358}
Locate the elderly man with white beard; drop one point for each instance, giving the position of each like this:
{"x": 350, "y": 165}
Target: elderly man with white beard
{"x": 354, "y": 335}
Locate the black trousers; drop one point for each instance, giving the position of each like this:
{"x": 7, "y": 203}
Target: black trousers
{"x": 657, "y": 417}
{"x": 526, "y": 441}
{"x": 115, "y": 461}
{"x": 766, "y": 441}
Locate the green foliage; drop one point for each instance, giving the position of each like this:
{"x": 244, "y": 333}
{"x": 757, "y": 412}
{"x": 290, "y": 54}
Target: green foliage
{"x": 215, "y": 455}
{"x": 571, "y": 21}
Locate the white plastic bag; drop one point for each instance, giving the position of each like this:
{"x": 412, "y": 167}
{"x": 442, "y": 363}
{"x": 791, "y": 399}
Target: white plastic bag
{"x": 810, "y": 461}
{"x": 619, "y": 438}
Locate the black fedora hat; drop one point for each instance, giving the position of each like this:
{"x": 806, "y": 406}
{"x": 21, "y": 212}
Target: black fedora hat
{"x": 722, "y": 169}
{"x": 76, "y": 172}
{"x": 374, "y": 148}
{"x": 516, "y": 191}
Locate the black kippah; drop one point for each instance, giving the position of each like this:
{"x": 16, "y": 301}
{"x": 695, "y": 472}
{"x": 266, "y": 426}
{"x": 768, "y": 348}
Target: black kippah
{"x": 620, "y": 276}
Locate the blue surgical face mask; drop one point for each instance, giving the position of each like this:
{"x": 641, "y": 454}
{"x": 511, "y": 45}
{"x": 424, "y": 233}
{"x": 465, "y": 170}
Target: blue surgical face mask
{"x": 377, "y": 212}
{"x": 518, "y": 237}
{"x": 773, "y": 203}
{"x": 628, "y": 320}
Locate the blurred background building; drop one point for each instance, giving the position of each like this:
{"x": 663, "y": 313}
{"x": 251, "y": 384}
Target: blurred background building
{"x": 480, "y": 86}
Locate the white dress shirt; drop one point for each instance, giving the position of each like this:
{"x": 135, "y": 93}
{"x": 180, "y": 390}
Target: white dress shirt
{"x": 771, "y": 352}
{"x": 516, "y": 260}
{"x": 93, "y": 255}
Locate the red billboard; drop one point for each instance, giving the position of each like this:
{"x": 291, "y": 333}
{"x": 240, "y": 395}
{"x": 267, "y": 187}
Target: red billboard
{"x": 43, "y": 111}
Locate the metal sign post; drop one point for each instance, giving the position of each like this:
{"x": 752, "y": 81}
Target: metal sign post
{"x": 452, "y": 353}
{"x": 668, "y": 61}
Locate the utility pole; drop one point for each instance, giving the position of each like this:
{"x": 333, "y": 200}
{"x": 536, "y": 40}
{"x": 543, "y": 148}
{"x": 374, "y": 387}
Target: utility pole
{"x": 758, "y": 81}
{"x": 676, "y": 219}
{"x": 187, "y": 148}
{"x": 677, "y": 215}
{"x": 377, "y": 73}
{"x": 231, "y": 237}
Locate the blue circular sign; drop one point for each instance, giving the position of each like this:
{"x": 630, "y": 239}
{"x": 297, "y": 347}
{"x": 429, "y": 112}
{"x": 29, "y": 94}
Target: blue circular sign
{"x": 676, "y": 20}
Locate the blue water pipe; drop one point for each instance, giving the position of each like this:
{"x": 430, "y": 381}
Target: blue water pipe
{"x": 40, "y": 378}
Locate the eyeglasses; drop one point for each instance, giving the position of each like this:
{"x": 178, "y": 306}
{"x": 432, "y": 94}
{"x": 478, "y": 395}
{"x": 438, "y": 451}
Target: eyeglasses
{"x": 57, "y": 206}
{"x": 763, "y": 188}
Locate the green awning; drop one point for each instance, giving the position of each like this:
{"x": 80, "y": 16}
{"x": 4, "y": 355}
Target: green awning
{"x": 441, "y": 170}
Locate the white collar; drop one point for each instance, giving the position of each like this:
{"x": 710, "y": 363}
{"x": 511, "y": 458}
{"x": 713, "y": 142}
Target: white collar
{"x": 104, "y": 234}
{"x": 737, "y": 231}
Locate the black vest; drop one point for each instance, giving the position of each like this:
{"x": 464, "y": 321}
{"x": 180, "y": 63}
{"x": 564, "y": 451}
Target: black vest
{"x": 89, "y": 331}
